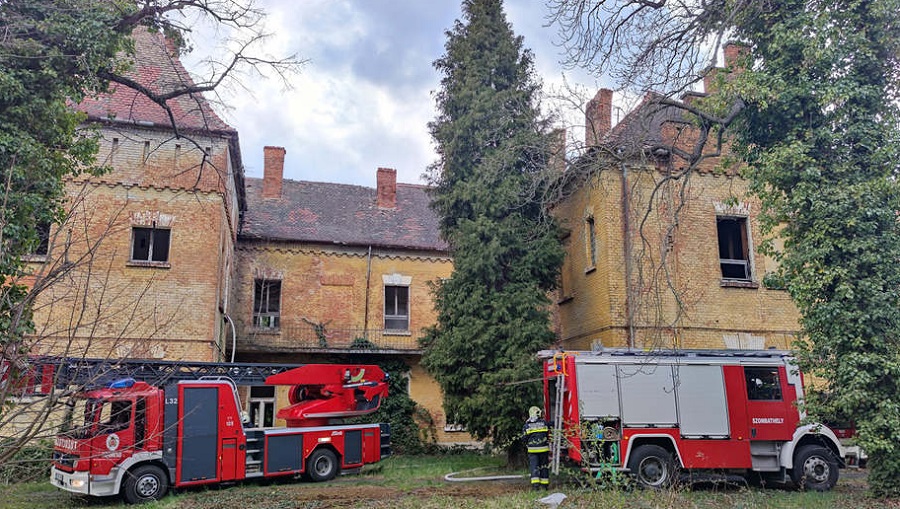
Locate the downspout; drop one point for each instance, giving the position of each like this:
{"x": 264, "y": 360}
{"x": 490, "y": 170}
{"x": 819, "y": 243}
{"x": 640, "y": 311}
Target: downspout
{"x": 368, "y": 278}
{"x": 626, "y": 226}
{"x": 228, "y": 263}
{"x": 233, "y": 336}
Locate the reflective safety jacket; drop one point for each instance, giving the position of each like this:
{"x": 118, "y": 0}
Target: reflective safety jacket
{"x": 537, "y": 436}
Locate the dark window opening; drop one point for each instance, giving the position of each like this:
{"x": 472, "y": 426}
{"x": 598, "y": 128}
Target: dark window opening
{"x": 150, "y": 244}
{"x": 734, "y": 248}
{"x": 262, "y": 407}
{"x": 763, "y": 384}
{"x": 396, "y": 308}
{"x": 591, "y": 239}
{"x": 266, "y": 303}
{"x": 42, "y": 247}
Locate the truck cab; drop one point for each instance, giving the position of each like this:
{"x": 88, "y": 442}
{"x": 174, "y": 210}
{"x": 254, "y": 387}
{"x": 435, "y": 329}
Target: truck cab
{"x": 107, "y": 430}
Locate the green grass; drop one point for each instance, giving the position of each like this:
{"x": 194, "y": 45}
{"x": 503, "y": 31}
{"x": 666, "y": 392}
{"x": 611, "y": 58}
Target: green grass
{"x": 417, "y": 483}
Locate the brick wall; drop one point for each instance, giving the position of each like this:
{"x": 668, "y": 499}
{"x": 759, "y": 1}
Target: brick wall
{"x": 325, "y": 284}
{"x": 666, "y": 263}
{"x": 108, "y": 305}
{"x": 328, "y": 285}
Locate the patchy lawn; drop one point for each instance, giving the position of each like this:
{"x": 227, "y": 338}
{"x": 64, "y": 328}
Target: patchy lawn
{"x": 417, "y": 483}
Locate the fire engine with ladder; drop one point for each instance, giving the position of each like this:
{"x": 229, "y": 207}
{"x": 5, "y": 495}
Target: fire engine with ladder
{"x": 657, "y": 414}
{"x": 138, "y": 428}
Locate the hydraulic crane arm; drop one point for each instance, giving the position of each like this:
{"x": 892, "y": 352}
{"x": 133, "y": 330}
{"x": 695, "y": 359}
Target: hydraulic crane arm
{"x": 326, "y": 391}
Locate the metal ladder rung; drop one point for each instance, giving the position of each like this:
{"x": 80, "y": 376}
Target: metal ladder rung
{"x": 556, "y": 436}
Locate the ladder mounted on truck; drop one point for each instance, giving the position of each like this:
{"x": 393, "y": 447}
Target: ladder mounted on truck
{"x": 46, "y": 373}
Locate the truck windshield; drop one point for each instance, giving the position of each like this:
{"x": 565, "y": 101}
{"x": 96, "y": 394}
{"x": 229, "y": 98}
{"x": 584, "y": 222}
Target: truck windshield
{"x": 92, "y": 417}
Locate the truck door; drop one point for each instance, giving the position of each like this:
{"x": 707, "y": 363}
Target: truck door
{"x": 198, "y": 433}
{"x": 229, "y": 453}
{"x": 770, "y": 403}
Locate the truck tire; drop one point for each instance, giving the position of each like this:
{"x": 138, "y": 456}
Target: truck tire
{"x": 322, "y": 465}
{"x": 144, "y": 484}
{"x": 652, "y": 466}
{"x": 815, "y": 468}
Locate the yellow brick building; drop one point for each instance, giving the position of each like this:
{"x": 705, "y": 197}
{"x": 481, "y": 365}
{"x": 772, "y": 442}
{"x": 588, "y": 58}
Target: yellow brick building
{"x": 659, "y": 257}
{"x": 338, "y": 273}
{"x": 173, "y": 255}
{"x": 141, "y": 264}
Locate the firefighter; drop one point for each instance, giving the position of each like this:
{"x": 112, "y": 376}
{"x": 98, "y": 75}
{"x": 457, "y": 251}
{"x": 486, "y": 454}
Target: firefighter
{"x": 537, "y": 440}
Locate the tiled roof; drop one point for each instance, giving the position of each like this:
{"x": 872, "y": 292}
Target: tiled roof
{"x": 657, "y": 127}
{"x": 322, "y": 212}
{"x": 642, "y": 126}
{"x": 156, "y": 66}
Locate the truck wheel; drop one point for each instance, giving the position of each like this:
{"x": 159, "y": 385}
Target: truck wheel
{"x": 322, "y": 465}
{"x": 145, "y": 483}
{"x": 815, "y": 468}
{"x": 652, "y": 466}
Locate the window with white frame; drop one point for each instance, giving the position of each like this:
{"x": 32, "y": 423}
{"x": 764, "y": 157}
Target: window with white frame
{"x": 267, "y": 303}
{"x": 734, "y": 248}
{"x": 262, "y": 407}
{"x": 396, "y": 308}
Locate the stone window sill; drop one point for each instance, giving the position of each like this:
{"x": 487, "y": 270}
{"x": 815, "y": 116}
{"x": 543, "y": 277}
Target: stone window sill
{"x": 265, "y": 330}
{"x": 153, "y": 265}
{"x": 730, "y": 283}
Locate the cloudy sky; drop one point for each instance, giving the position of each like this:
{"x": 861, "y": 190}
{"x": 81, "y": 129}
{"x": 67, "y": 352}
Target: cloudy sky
{"x": 364, "y": 97}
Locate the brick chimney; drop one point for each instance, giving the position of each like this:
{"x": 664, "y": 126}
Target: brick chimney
{"x": 273, "y": 171}
{"x": 733, "y": 53}
{"x": 387, "y": 188}
{"x": 598, "y": 117}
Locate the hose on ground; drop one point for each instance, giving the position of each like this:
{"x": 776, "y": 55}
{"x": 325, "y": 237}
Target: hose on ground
{"x": 452, "y": 477}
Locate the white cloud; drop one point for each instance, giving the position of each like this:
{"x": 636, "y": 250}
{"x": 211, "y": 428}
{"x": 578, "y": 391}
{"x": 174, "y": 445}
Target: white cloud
{"x": 364, "y": 98}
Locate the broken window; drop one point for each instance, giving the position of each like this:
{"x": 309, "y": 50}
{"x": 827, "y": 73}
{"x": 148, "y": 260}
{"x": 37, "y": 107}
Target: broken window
{"x": 150, "y": 244}
{"x": 267, "y": 303}
{"x": 42, "y": 246}
{"x": 396, "y": 308}
{"x": 734, "y": 248}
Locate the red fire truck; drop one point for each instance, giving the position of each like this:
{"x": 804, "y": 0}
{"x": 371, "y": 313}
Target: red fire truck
{"x": 656, "y": 413}
{"x": 180, "y": 424}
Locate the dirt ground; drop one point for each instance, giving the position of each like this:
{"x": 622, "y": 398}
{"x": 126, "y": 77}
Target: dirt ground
{"x": 341, "y": 495}
{"x": 346, "y": 493}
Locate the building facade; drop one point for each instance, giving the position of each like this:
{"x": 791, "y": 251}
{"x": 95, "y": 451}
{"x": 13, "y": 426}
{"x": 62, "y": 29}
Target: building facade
{"x": 172, "y": 254}
{"x": 141, "y": 264}
{"x": 336, "y": 273}
{"x": 660, "y": 254}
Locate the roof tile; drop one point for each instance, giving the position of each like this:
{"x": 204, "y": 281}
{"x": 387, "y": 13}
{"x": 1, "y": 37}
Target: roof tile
{"x": 323, "y": 212}
{"x": 157, "y": 67}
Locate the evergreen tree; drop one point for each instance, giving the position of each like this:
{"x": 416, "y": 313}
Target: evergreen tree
{"x": 820, "y": 132}
{"x": 493, "y": 311}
